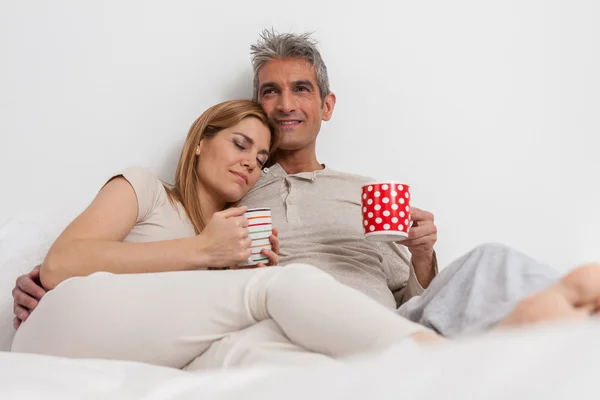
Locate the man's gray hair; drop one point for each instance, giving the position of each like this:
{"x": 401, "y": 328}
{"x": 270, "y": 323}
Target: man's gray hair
{"x": 272, "y": 45}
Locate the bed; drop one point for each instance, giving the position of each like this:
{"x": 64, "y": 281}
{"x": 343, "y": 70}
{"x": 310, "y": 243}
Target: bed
{"x": 558, "y": 361}
{"x": 549, "y": 362}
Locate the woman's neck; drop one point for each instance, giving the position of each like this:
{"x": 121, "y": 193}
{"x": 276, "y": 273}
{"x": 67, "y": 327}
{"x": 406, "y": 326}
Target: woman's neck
{"x": 209, "y": 204}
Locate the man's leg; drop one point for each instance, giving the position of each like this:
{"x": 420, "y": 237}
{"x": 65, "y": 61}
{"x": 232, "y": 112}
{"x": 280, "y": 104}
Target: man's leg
{"x": 476, "y": 291}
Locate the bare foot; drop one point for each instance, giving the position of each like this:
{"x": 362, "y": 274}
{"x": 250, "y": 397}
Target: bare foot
{"x": 575, "y": 296}
{"x": 428, "y": 338}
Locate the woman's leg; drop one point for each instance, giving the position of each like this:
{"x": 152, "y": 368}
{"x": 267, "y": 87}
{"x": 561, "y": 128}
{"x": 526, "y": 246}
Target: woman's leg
{"x": 262, "y": 344}
{"x": 171, "y": 318}
{"x": 311, "y": 318}
{"x": 162, "y": 318}
{"x": 322, "y": 315}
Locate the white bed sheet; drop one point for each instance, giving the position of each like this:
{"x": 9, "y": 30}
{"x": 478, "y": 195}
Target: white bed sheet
{"x": 551, "y": 362}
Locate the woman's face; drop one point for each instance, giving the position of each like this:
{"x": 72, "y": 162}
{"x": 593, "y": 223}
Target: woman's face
{"x": 230, "y": 163}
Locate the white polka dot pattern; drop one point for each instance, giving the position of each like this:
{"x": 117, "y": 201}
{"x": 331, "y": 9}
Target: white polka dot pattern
{"x": 386, "y": 208}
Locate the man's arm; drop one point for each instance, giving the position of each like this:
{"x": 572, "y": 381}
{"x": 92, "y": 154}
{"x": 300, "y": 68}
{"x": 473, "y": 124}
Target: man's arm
{"x": 412, "y": 286}
{"x": 420, "y": 241}
{"x": 412, "y": 265}
{"x": 400, "y": 272}
{"x": 425, "y": 267}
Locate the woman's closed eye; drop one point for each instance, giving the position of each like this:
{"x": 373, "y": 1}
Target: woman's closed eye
{"x": 239, "y": 145}
{"x": 260, "y": 160}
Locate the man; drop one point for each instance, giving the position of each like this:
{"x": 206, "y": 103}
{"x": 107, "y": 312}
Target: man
{"x": 317, "y": 211}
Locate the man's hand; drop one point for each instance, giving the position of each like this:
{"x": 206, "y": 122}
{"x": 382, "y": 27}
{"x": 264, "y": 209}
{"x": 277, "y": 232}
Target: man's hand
{"x": 27, "y": 293}
{"x": 272, "y": 254}
{"x": 422, "y": 236}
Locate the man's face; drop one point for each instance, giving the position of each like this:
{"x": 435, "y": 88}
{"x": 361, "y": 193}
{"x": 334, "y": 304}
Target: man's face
{"x": 288, "y": 92}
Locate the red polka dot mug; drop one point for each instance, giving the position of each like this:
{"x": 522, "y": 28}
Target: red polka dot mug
{"x": 386, "y": 211}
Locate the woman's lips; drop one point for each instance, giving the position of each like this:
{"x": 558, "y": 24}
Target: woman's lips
{"x": 242, "y": 177}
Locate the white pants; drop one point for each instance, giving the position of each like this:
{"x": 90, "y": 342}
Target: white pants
{"x": 295, "y": 313}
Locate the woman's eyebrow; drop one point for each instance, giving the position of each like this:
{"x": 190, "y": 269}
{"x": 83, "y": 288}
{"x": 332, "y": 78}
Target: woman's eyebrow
{"x": 251, "y": 141}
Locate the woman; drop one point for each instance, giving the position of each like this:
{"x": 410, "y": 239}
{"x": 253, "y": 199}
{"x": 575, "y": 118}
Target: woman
{"x": 130, "y": 275}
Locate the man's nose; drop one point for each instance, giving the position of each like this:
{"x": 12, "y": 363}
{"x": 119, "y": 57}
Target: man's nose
{"x": 287, "y": 102}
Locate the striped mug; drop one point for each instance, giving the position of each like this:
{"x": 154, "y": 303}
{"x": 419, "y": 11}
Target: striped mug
{"x": 260, "y": 227}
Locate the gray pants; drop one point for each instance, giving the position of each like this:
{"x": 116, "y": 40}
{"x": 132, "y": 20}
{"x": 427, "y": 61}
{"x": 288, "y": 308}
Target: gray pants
{"x": 477, "y": 290}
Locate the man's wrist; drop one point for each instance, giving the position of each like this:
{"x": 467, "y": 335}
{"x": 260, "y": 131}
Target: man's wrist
{"x": 425, "y": 267}
{"x": 423, "y": 258}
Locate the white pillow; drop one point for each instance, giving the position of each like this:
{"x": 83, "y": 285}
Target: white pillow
{"x": 22, "y": 246}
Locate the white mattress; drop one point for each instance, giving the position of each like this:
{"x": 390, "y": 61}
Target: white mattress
{"x": 553, "y": 362}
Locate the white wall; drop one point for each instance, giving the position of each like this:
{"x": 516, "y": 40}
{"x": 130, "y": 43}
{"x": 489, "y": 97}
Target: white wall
{"x": 489, "y": 109}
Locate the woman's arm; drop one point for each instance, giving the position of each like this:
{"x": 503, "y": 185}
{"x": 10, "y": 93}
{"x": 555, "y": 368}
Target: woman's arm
{"x": 93, "y": 242}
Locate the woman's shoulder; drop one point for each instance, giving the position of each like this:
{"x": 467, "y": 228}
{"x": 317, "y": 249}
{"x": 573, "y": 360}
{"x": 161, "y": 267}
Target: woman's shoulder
{"x": 149, "y": 189}
{"x": 144, "y": 176}
{"x": 140, "y": 173}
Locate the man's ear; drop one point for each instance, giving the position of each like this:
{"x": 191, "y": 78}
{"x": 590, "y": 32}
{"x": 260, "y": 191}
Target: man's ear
{"x": 328, "y": 106}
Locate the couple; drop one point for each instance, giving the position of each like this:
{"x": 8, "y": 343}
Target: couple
{"x": 152, "y": 300}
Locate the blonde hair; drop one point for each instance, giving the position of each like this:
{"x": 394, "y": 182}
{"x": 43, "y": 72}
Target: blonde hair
{"x": 218, "y": 117}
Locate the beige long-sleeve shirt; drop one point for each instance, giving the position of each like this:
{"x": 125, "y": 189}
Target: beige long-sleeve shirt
{"x": 319, "y": 219}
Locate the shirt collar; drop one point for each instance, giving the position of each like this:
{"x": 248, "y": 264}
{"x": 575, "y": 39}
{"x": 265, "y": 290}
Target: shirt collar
{"x": 278, "y": 171}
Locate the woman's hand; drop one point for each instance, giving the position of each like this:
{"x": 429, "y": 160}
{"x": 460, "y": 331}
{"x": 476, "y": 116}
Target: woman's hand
{"x": 273, "y": 254}
{"x": 225, "y": 239}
